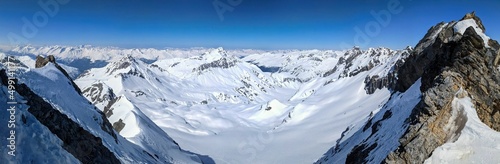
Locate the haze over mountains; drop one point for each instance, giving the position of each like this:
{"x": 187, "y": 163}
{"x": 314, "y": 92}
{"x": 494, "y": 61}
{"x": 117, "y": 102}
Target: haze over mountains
{"x": 437, "y": 102}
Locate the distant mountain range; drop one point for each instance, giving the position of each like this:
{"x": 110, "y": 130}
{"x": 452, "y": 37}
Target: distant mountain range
{"x": 437, "y": 102}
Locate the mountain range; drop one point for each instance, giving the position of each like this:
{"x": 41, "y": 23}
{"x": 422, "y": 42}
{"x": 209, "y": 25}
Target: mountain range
{"x": 436, "y": 102}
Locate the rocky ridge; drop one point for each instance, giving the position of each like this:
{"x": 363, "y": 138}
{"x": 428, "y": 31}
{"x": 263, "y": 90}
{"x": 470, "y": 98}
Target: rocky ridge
{"x": 454, "y": 65}
{"x": 83, "y": 145}
{"x": 454, "y": 60}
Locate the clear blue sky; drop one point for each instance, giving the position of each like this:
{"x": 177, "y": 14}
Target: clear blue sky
{"x": 258, "y": 24}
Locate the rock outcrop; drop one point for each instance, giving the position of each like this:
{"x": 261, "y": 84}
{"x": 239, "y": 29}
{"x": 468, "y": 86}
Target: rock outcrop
{"x": 453, "y": 64}
{"x": 41, "y": 61}
{"x": 449, "y": 62}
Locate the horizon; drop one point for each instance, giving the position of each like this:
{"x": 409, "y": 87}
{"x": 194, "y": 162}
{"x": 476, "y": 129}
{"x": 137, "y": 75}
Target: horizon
{"x": 7, "y": 48}
{"x": 240, "y": 24}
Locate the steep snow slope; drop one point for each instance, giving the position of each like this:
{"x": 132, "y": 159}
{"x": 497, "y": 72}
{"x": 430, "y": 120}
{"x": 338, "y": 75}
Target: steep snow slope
{"x": 477, "y": 143}
{"x": 33, "y": 141}
{"x": 217, "y": 100}
{"x": 387, "y": 122}
{"x": 56, "y": 90}
{"x": 291, "y": 106}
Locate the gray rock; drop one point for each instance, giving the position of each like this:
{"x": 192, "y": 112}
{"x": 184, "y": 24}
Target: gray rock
{"x": 445, "y": 69}
{"x": 119, "y": 125}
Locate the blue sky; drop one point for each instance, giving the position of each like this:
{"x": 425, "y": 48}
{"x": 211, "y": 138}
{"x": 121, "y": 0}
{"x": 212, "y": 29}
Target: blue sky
{"x": 258, "y": 24}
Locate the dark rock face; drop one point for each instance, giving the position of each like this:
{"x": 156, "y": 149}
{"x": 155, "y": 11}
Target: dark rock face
{"x": 449, "y": 65}
{"x": 10, "y": 61}
{"x": 41, "y": 61}
{"x": 83, "y": 145}
{"x": 221, "y": 63}
{"x": 447, "y": 68}
{"x": 389, "y": 81}
{"x": 121, "y": 64}
{"x": 118, "y": 126}
{"x": 98, "y": 94}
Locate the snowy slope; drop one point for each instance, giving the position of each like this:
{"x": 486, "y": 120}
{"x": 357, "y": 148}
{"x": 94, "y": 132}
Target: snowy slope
{"x": 34, "y": 141}
{"x": 56, "y": 89}
{"x": 215, "y": 97}
{"x": 251, "y": 106}
{"x": 390, "y": 116}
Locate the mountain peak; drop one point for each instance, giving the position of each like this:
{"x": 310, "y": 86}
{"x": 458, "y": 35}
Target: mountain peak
{"x": 473, "y": 16}
{"x": 215, "y": 54}
{"x": 125, "y": 62}
{"x": 41, "y": 61}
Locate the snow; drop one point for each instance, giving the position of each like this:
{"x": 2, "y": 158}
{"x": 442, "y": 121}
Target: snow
{"x": 477, "y": 142}
{"x": 400, "y": 106}
{"x": 123, "y": 110}
{"x": 272, "y": 110}
{"x": 238, "y": 114}
{"x": 50, "y": 72}
{"x": 94, "y": 53}
{"x": 49, "y": 83}
{"x": 226, "y": 107}
{"x": 34, "y": 141}
{"x": 461, "y": 26}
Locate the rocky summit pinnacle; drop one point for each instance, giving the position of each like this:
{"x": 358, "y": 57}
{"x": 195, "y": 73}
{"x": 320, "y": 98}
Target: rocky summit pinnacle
{"x": 454, "y": 60}
{"x": 466, "y": 65}
{"x": 41, "y": 61}
{"x": 472, "y": 15}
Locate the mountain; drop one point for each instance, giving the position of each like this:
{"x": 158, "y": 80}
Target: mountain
{"x": 218, "y": 97}
{"x": 78, "y": 59}
{"x": 436, "y": 102}
{"x": 444, "y": 108}
{"x": 54, "y": 123}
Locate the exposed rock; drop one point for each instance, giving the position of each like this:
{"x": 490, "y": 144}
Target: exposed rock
{"x": 41, "y": 61}
{"x": 389, "y": 81}
{"x": 121, "y": 64}
{"x": 268, "y": 108}
{"x": 13, "y": 62}
{"x": 119, "y": 125}
{"x": 449, "y": 65}
{"x": 472, "y": 15}
{"x": 333, "y": 70}
{"x": 446, "y": 67}
{"x": 221, "y": 63}
{"x": 108, "y": 110}
{"x": 97, "y": 93}
{"x": 497, "y": 59}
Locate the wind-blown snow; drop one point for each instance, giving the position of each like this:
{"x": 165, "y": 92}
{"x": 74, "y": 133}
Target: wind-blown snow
{"x": 51, "y": 84}
{"x": 477, "y": 142}
{"x": 34, "y": 141}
